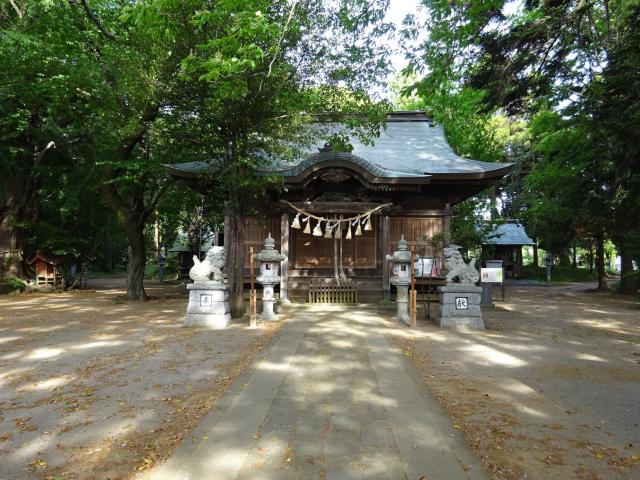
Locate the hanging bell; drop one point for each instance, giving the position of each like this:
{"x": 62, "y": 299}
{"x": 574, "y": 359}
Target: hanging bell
{"x": 358, "y": 229}
{"x": 367, "y": 225}
{"x": 296, "y": 222}
{"x": 348, "y": 236}
{"x": 317, "y": 231}
{"x": 307, "y": 228}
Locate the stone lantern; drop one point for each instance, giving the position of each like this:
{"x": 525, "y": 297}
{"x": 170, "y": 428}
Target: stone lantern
{"x": 401, "y": 278}
{"x": 269, "y": 259}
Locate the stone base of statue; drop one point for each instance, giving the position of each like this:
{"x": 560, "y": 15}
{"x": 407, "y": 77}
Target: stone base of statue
{"x": 208, "y": 305}
{"x": 460, "y": 306}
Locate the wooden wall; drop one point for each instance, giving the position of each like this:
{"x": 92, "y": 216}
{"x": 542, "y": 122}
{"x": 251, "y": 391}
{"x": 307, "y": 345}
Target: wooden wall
{"x": 318, "y": 252}
{"x": 414, "y": 230}
{"x": 256, "y": 230}
{"x": 360, "y": 252}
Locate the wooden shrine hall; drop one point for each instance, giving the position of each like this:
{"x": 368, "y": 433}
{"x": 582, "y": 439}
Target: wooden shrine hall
{"x": 340, "y": 214}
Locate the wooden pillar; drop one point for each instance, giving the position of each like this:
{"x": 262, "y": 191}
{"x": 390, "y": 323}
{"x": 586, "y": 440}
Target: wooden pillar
{"x": 446, "y": 224}
{"x": 413, "y": 295}
{"x": 226, "y": 244}
{"x": 386, "y": 246}
{"x": 284, "y": 250}
{"x": 253, "y": 315}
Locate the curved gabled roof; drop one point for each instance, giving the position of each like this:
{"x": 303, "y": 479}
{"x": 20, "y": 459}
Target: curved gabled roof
{"x": 415, "y": 148}
{"x": 410, "y": 148}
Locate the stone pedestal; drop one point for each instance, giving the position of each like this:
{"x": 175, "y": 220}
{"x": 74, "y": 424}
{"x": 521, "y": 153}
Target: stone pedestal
{"x": 267, "y": 303}
{"x": 460, "y": 306}
{"x": 208, "y": 305}
{"x": 402, "y": 303}
{"x": 487, "y": 295}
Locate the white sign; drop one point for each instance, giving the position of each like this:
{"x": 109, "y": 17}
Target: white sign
{"x": 491, "y": 275}
{"x": 424, "y": 267}
{"x": 206, "y": 300}
{"x": 462, "y": 303}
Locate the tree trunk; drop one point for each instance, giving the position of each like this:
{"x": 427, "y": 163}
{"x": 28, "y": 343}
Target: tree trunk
{"x": 628, "y": 283}
{"x": 156, "y": 234}
{"x": 590, "y": 255}
{"x": 495, "y": 214}
{"x": 136, "y": 261}
{"x": 19, "y": 207}
{"x": 535, "y": 254}
{"x": 563, "y": 257}
{"x": 234, "y": 248}
{"x": 600, "y": 267}
{"x": 11, "y": 248}
{"x": 574, "y": 259}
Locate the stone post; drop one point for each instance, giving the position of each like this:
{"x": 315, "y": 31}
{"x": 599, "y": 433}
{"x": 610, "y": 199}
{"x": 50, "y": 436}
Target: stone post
{"x": 402, "y": 303}
{"x": 267, "y": 302}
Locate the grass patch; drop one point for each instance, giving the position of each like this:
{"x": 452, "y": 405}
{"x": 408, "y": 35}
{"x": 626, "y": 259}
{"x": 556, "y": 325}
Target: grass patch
{"x": 558, "y": 274}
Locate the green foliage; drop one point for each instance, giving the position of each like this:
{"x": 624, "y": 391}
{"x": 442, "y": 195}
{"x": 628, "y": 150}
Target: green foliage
{"x": 559, "y": 274}
{"x": 98, "y": 96}
{"x": 15, "y": 283}
{"x": 565, "y": 74}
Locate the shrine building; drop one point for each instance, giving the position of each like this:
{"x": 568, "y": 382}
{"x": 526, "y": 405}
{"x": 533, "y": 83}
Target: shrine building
{"x": 339, "y": 214}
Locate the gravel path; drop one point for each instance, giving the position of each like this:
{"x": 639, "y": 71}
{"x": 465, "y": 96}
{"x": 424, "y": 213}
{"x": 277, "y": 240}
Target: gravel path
{"x": 92, "y": 387}
{"x": 551, "y": 390}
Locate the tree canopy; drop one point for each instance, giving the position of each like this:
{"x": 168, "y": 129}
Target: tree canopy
{"x": 110, "y": 91}
{"x": 566, "y": 74}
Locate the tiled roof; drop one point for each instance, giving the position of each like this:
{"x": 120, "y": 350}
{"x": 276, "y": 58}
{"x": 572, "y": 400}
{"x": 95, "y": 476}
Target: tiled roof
{"x": 410, "y": 147}
{"x": 510, "y": 233}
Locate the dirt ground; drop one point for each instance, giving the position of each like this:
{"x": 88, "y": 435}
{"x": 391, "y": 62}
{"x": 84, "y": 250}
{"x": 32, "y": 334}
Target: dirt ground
{"x": 93, "y": 387}
{"x": 551, "y": 390}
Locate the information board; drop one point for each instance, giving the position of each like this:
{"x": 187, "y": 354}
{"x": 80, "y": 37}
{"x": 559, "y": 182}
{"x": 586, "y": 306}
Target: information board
{"x": 491, "y": 275}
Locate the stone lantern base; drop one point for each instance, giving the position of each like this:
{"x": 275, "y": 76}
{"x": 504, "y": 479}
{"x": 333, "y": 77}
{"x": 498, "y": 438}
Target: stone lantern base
{"x": 268, "y": 300}
{"x": 460, "y": 306}
{"x": 208, "y": 305}
{"x": 402, "y": 299}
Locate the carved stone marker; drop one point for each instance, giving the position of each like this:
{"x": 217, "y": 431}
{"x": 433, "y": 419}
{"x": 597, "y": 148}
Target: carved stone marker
{"x": 460, "y": 298}
{"x": 208, "y": 295}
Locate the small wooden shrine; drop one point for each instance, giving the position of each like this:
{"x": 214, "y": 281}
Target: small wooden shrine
{"x": 505, "y": 243}
{"x": 184, "y": 249}
{"x": 340, "y": 214}
{"x": 50, "y": 270}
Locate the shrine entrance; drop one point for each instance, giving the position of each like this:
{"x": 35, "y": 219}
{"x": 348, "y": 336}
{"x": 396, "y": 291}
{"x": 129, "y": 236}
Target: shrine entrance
{"x": 410, "y": 171}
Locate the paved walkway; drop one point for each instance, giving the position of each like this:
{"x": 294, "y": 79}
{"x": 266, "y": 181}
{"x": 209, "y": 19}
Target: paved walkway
{"x": 332, "y": 398}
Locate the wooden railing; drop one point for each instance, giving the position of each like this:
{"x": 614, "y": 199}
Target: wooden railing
{"x": 324, "y": 290}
